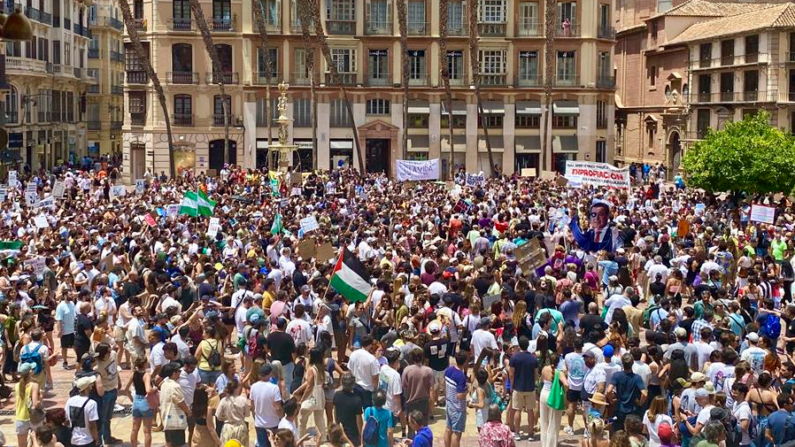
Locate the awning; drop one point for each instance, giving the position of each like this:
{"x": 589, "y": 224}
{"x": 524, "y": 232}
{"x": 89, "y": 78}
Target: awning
{"x": 528, "y": 108}
{"x": 341, "y": 144}
{"x": 528, "y": 143}
{"x": 565, "y": 143}
{"x": 460, "y": 142}
{"x": 459, "y": 108}
{"x": 566, "y": 108}
{"x": 497, "y": 144}
{"x": 262, "y": 144}
{"x": 10, "y": 156}
{"x": 419, "y": 107}
{"x": 418, "y": 143}
{"x": 494, "y": 107}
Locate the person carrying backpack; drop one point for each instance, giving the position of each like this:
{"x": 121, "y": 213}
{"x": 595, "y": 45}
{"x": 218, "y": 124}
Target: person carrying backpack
{"x": 37, "y": 354}
{"x": 378, "y": 423}
{"x": 209, "y": 353}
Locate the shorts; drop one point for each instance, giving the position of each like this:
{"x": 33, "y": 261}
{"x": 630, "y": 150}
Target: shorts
{"x": 175, "y": 438}
{"x": 456, "y": 420}
{"x": 523, "y": 399}
{"x": 120, "y": 335}
{"x": 140, "y": 408}
{"x": 438, "y": 380}
{"x": 573, "y": 396}
{"x": 22, "y": 427}
{"x": 68, "y": 340}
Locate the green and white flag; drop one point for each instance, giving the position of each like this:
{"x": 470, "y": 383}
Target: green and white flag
{"x": 277, "y": 226}
{"x": 205, "y": 205}
{"x": 189, "y": 205}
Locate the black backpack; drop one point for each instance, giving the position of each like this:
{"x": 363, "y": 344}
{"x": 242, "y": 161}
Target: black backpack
{"x": 214, "y": 360}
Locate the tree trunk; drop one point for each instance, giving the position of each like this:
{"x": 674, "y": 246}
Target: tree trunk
{"x": 259, "y": 19}
{"x": 305, "y": 9}
{"x": 218, "y": 73}
{"x": 335, "y": 78}
{"x": 404, "y": 70}
{"x": 473, "y": 62}
{"x": 550, "y": 27}
{"x": 132, "y": 33}
{"x": 444, "y": 6}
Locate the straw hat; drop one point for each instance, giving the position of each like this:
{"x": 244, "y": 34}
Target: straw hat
{"x": 598, "y": 399}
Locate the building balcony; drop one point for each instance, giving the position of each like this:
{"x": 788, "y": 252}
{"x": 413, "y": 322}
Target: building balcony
{"x": 295, "y": 27}
{"x": 67, "y": 23}
{"x": 606, "y": 32}
{"x": 378, "y": 27}
{"x": 107, "y": 22}
{"x": 273, "y": 26}
{"x": 533, "y": 80}
{"x": 529, "y": 28}
{"x": 223, "y": 24}
{"x": 183, "y": 119}
{"x": 730, "y": 97}
{"x": 78, "y": 72}
{"x": 421, "y": 80}
{"x": 299, "y": 78}
{"x": 458, "y": 81}
{"x": 218, "y": 119}
{"x": 137, "y": 77}
{"x": 226, "y": 78}
{"x": 569, "y": 30}
{"x": 182, "y": 77}
{"x": 379, "y": 80}
{"x": 81, "y": 30}
{"x": 93, "y": 89}
{"x": 57, "y": 69}
{"x": 567, "y": 80}
{"x": 94, "y": 125}
{"x": 139, "y": 24}
{"x": 418, "y": 28}
{"x": 116, "y": 24}
{"x": 457, "y": 29}
{"x": 138, "y": 119}
{"x": 117, "y": 56}
{"x": 341, "y": 26}
{"x": 344, "y": 78}
{"x": 116, "y": 125}
{"x": 32, "y": 13}
{"x": 181, "y": 24}
{"x": 607, "y": 82}
{"x": 490, "y": 80}
{"x": 117, "y": 90}
{"x": 24, "y": 65}
{"x": 262, "y": 78}
{"x": 93, "y": 53}
{"x": 492, "y": 29}
{"x": 46, "y": 18}
{"x": 731, "y": 61}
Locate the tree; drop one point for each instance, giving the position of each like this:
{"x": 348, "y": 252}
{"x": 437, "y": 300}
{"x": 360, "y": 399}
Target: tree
{"x": 135, "y": 40}
{"x": 218, "y": 74}
{"x": 404, "y": 70}
{"x": 259, "y": 19}
{"x": 550, "y": 28}
{"x": 444, "y": 8}
{"x": 747, "y": 156}
{"x": 305, "y": 9}
{"x": 473, "y": 62}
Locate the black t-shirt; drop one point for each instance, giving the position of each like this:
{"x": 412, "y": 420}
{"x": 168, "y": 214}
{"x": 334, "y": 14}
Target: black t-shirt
{"x": 790, "y": 333}
{"x": 657, "y": 288}
{"x": 592, "y": 322}
{"x": 525, "y": 365}
{"x": 687, "y": 325}
{"x": 83, "y": 324}
{"x": 282, "y": 347}
{"x": 347, "y": 408}
{"x": 129, "y": 290}
{"x": 438, "y": 354}
{"x": 482, "y": 285}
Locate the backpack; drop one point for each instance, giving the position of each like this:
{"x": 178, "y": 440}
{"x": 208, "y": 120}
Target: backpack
{"x": 32, "y": 356}
{"x": 254, "y": 346}
{"x": 214, "y": 360}
{"x": 372, "y": 428}
{"x": 647, "y": 315}
{"x": 772, "y": 327}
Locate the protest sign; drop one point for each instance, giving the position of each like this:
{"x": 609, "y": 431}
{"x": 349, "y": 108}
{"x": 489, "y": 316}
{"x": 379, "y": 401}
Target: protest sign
{"x": 36, "y": 264}
{"x": 309, "y": 224}
{"x": 295, "y": 192}
{"x": 548, "y": 175}
{"x": 106, "y": 264}
{"x": 150, "y": 220}
{"x": 582, "y": 173}
{"x": 476, "y": 180}
{"x": 682, "y": 228}
{"x": 172, "y": 210}
{"x": 324, "y": 253}
{"x": 41, "y": 221}
{"x": 3, "y": 193}
{"x": 763, "y": 214}
{"x": 528, "y": 172}
{"x": 488, "y": 300}
{"x": 214, "y": 227}
{"x": 307, "y": 249}
{"x": 117, "y": 191}
{"x": 417, "y": 169}
{"x": 47, "y": 201}
{"x": 58, "y": 189}
{"x": 140, "y": 186}
{"x": 12, "y": 179}
{"x": 530, "y": 256}
{"x": 31, "y": 194}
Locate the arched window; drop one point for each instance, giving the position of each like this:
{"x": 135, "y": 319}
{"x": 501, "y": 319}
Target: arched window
{"x": 181, "y": 58}
{"x": 12, "y": 106}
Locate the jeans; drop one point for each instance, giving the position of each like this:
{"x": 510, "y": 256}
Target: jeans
{"x": 262, "y": 436}
{"x": 209, "y": 377}
{"x": 108, "y": 401}
{"x": 288, "y": 369}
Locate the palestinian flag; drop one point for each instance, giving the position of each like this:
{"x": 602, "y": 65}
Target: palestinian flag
{"x": 189, "y": 205}
{"x": 205, "y": 205}
{"x": 350, "y": 279}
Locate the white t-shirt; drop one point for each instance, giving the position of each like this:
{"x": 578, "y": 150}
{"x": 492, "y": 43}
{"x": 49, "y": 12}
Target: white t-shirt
{"x": 265, "y": 395}
{"x": 389, "y": 381}
{"x": 482, "y": 339}
{"x": 703, "y": 351}
{"x": 157, "y": 357}
{"x": 703, "y": 415}
{"x": 188, "y": 384}
{"x": 300, "y": 330}
{"x": 652, "y": 426}
{"x": 44, "y": 352}
{"x": 285, "y": 423}
{"x": 170, "y": 302}
{"x": 240, "y": 319}
{"x": 755, "y": 356}
{"x": 81, "y": 435}
{"x": 182, "y": 348}
{"x": 364, "y": 366}
{"x": 741, "y": 412}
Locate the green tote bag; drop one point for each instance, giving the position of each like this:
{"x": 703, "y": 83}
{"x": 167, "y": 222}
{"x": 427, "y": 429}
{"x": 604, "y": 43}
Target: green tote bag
{"x": 557, "y": 396}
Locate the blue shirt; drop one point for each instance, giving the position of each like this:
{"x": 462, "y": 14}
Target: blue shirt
{"x": 65, "y": 314}
{"x": 777, "y": 423}
{"x": 423, "y": 438}
{"x": 385, "y": 422}
{"x": 455, "y": 382}
{"x": 628, "y": 387}
{"x": 609, "y": 269}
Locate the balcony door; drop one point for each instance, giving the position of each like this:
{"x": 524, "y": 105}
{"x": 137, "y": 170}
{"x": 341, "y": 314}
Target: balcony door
{"x": 182, "y": 58}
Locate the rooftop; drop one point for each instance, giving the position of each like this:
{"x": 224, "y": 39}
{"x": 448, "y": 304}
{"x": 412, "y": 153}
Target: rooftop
{"x": 772, "y": 16}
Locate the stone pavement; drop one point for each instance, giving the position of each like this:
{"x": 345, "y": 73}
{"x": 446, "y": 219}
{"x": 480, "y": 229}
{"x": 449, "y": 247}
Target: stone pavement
{"x": 122, "y": 422}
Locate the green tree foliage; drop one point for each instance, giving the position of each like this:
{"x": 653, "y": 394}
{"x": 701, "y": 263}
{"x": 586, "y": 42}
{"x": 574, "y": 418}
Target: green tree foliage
{"x": 749, "y": 155}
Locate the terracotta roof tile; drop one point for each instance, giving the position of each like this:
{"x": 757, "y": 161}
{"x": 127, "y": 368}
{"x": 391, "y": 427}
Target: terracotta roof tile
{"x": 713, "y": 8}
{"x": 781, "y": 15}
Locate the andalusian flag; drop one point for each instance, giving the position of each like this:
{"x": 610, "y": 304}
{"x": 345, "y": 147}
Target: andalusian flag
{"x": 350, "y": 278}
{"x": 277, "y": 226}
{"x": 189, "y": 204}
{"x": 274, "y": 182}
{"x": 205, "y": 205}
{"x": 10, "y": 245}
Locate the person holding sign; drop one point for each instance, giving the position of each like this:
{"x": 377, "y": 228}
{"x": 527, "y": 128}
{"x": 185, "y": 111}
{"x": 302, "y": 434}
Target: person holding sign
{"x": 600, "y": 235}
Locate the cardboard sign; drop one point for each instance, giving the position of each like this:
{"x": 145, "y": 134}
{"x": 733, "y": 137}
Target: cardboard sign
{"x": 561, "y": 181}
{"x": 106, "y": 264}
{"x": 682, "y": 228}
{"x": 548, "y": 175}
{"x": 58, "y": 189}
{"x": 41, "y": 221}
{"x": 295, "y": 192}
{"x": 140, "y": 186}
{"x": 309, "y": 224}
{"x": 12, "y": 179}
{"x": 762, "y": 213}
{"x": 37, "y": 264}
{"x": 150, "y": 220}
{"x": 117, "y": 191}
{"x": 487, "y": 301}
{"x": 214, "y": 227}
{"x": 530, "y": 256}
{"x": 528, "y": 172}
{"x": 307, "y": 249}
{"x": 325, "y": 252}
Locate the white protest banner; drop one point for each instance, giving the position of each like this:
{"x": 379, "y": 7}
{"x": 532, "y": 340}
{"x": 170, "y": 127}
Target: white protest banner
{"x": 37, "y": 264}
{"x": 309, "y": 224}
{"x": 3, "y": 193}
{"x": 41, "y": 221}
{"x": 295, "y": 192}
{"x": 417, "y": 169}
{"x": 12, "y": 178}
{"x": 31, "y": 194}
{"x": 58, "y": 189}
{"x": 475, "y": 179}
{"x": 47, "y": 201}
{"x": 764, "y": 214}
{"x": 140, "y": 186}
{"x": 173, "y": 210}
{"x": 117, "y": 191}
{"x": 581, "y": 173}
{"x": 214, "y": 227}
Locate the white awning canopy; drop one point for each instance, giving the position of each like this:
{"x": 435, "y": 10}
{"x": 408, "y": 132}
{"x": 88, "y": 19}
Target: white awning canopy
{"x": 494, "y": 107}
{"x": 566, "y": 108}
{"x": 528, "y": 143}
{"x": 417, "y": 107}
{"x": 341, "y": 144}
{"x": 418, "y": 143}
{"x": 528, "y": 108}
{"x": 565, "y": 143}
{"x": 459, "y": 108}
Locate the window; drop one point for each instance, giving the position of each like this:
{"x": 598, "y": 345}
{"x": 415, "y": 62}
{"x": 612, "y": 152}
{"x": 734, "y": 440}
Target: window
{"x": 181, "y": 58}
{"x": 339, "y": 114}
{"x": 56, "y": 52}
{"x": 67, "y": 53}
{"x": 218, "y": 109}
{"x": 565, "y": 68}
{"x": 418, "y": 121}
{"x": 378, "y": 66}
{"x": 344, "y": 59}
{"x": 379, "y": 14}
{"x": 341, "y": 10}
{"x": 704, "y": 87}
{"x": 664, "y": 5}
{"x": 137, "y": 104}
{"x": 528, "y": 122}
{"x": 651, "y": 130}
{"x": 273, "y": 111}
{"x": 224, "y": 57}
{"x": 183, "y": 105}
{"x": 601, "y": 115}
{"x": 528, "y": 19}
{"x": 492, "y": 62}
{"x": 30, "y": 48}
{"x": 131, "y": 60}
{"x": 751, "y": 85}
{"x": 564, "y": 122}
{"x": 138, "y": 10}
{"x": 601, "y": 151}
{"x": 727, "y": 52}
{"x": 653, "y": 76}
{"x": 604, "y": 67}
{"x": 492, "y": 11}
{"x": 751, "y": 49}
{"x": 13, "y": 49}
{"x": 705, "y": 55}
{"x": 302, "y": 112}
{"x": 490, "y": 120}
{"x": 455, "y": 65}
{"x": 417, "y": 70}
{"x": 702, "y": 122}
{"x": 528, "y": 68}
{"x": 604, "y": 20}
{"x": 459, "y": 122}
{"x": 273, "y": 56}
{"x": 378, "y": 107}
{"x": 222, "y": 10}
{"x": 181, "y": 12}
{"x": 70, "y": 107}
{"x": 272, "y": 12}
{"x": 456, "y": 18}
{"x": 12, "y": 106}
{"x": 416, "y": 17}
{"x": 567, "y": 11}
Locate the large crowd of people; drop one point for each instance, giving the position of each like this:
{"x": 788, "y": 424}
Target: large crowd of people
{"x": 653, "y": 316}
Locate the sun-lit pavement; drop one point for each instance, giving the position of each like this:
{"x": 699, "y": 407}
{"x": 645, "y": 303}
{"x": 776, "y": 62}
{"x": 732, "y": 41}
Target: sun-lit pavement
{"x": 122, "y": 422}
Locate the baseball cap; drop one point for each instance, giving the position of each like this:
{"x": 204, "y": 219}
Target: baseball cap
{"x": 434, "y": 327}
{"x": 265, "y": 370}
{"x": 607, "y": 351}
{"x": 589, "y": 354}
{"x": 752, "y": 337}
{"x": 697, "y": 377}
{"x": 701, "y": 392}
{"x": 25, "y": 368}
{"x": 665, "y": 433}
{"x": 84, "y": 382}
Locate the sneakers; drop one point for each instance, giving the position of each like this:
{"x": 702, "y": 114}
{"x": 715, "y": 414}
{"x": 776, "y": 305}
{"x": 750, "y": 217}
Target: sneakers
{"x": 569, "y": 430}
{"x": 517, "y": 437}
{"x": 65, "y": 366}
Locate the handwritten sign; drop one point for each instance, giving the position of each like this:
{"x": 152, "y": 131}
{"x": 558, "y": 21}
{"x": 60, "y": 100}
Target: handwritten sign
{"x": 140, "y": 186}
{"x": 762, "y": 213}
{"x": 309, "y": 224}
{"x": 58, "y": 189}
{"x": 36, "y": 264}
{"x": 117, "y": 191}
{"x": 150, "y": 220}
{"x": 325, "y": 252}
{"x": 214, "y": 227}
{"x": 12, "y": 179}
{"x": 475, "y": 180}
{"x": 41, "y": 221}
{"x": 307, "y": 249}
